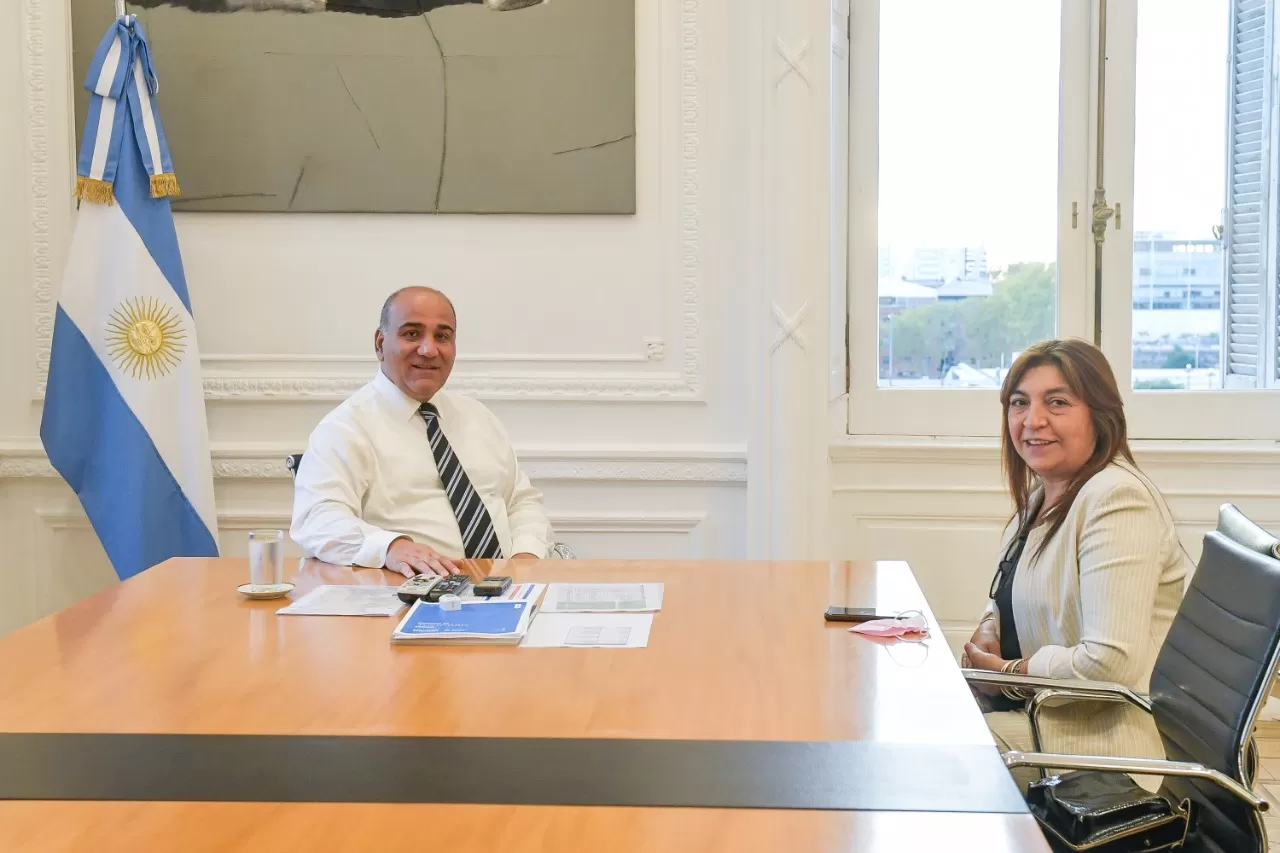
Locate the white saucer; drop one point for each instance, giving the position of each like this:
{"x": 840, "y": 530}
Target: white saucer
{"x": 277, "y": 590}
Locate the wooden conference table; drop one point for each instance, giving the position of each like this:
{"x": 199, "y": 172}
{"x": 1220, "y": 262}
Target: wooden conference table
{"x": 748, "y": 723}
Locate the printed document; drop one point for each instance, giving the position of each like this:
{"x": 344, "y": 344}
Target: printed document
{"x": 589, "y": 630}
{"x": 603, "y": 597}
{"x": 330, "y": 600}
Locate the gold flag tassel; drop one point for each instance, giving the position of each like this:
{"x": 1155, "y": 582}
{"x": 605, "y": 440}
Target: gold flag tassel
{"x": 93, "y": 190}
{"x": 164, "y": 184}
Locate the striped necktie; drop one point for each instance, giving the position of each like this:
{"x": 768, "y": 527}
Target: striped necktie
{"x": 479, "y": 541}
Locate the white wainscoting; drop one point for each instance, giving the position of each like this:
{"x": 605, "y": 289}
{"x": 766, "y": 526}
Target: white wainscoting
{"x": 941, "y": 506}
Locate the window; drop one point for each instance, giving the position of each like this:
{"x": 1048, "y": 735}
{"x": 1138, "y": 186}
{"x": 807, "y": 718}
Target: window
{"x": 956, "y": 259}
{"x": 972, "y": 236}
{"x": 1194, "y": 154}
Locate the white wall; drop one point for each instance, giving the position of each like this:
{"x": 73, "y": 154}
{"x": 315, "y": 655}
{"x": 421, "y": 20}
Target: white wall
{"x": 631, "y": 357}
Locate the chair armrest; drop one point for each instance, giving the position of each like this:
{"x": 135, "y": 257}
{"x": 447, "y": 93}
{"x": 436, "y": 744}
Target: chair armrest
{"x": 1046, "y": 690}
{"x": 561, "y": 551}
{"x": 1062, "y": 688}
{"x": 1147, "y": 766}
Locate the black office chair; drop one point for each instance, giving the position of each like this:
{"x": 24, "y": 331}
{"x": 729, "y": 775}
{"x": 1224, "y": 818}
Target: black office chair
{"x": 1211, "y": 678}
{"x": 559, "y": 550}
{"x": 1234, "y": 524}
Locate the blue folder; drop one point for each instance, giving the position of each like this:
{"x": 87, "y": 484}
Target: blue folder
{"x": 476, "y": 620}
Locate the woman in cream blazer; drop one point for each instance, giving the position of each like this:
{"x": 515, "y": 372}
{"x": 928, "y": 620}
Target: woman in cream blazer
{"x": 1101, "y": 572}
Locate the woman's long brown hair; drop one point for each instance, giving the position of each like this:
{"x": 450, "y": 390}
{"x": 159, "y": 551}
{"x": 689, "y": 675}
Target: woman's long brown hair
{"x": 1090, "y": 379}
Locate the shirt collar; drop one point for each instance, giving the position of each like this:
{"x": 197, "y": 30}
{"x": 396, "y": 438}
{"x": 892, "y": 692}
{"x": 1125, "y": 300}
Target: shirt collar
{"x": 397, "y": 402}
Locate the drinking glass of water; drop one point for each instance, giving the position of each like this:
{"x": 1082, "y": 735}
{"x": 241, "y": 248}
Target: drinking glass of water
{"x": 266, "y": 558}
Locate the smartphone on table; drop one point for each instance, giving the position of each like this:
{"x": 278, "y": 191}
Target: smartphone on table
{"x": 853, "y": 614}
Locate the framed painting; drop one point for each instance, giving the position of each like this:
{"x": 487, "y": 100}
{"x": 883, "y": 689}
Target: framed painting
{"x": 405, "y": 106}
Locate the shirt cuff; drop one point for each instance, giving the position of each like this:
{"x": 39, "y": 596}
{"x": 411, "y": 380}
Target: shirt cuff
{"x": 373, "y": 551}
{"x": 529, "y": 545}
{"x": 1044, "y": 663}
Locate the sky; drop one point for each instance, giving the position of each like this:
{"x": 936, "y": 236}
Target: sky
{"x": 969, "y": 123}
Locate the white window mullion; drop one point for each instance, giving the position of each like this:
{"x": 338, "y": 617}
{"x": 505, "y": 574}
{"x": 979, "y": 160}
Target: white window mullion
{"x": 1118, "y": 178}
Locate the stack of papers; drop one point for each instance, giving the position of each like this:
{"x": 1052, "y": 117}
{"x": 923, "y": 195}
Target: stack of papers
{"x": 334, "y": 600}
{"x": 590, "y": 630}
{"x": 603, "y": 598}
{"x": 596, "y": 615}
{"x": 477, "y": 622}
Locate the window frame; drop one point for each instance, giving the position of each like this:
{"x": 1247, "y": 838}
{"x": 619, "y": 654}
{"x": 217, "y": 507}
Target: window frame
{"x": 969, "y": 412}
{"x": 1220, "y": 414}
{"x": 1224, "y": 414}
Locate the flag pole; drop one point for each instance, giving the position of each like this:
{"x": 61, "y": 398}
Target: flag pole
{"x": 119, "y": 8}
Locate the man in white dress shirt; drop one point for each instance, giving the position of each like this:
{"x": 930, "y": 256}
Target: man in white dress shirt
{"x": 405, "y": 476}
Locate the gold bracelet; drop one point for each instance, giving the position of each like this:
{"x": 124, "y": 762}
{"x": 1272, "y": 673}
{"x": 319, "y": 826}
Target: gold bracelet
{"x": 1011, "y": 668}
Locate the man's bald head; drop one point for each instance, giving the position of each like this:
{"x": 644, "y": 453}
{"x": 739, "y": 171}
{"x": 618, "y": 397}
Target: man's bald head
{"x": 385, "y": 316}
{"x": 415, "y": 340}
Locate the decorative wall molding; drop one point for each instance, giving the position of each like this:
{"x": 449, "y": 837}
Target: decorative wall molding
{"x": 792, "y": 60}
{"x": 791, "y": 251}
{"x": 15, "y": 466}
{"x": 647, "y": 464}
{"x": 875, "y": 490}
{"x": 71, "y": 517}
{"x": 788, "y": 327}
{"x": 944, "y": 490}
{"x": 267, "y": 381}
{"x": 281, "y": 382}
{"x": 909, "y": 518}
{"x": 637, "y": 521}
{"x": 986, "y": 451}
{"x": 494, "y": 386}
{"x": 365, "y": 362}
{"x": 690, "y": 216}
{"x": 638, "y": 470}
{"x": 61, "y": 519}
{"x": 38, "y": 185}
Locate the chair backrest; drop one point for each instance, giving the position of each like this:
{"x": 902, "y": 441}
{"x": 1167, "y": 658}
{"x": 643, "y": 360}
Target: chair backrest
{"x": 1210, "y": 680}
{"x": 292, "y": 463}
{"x": 1234, "y": 524}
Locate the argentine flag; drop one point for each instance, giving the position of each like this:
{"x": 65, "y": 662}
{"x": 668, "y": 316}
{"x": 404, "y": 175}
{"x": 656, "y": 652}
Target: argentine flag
{"x": 124, "y": 420}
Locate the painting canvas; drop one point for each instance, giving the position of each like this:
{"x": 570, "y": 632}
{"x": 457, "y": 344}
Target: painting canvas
{"x": 412, "y": 106}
